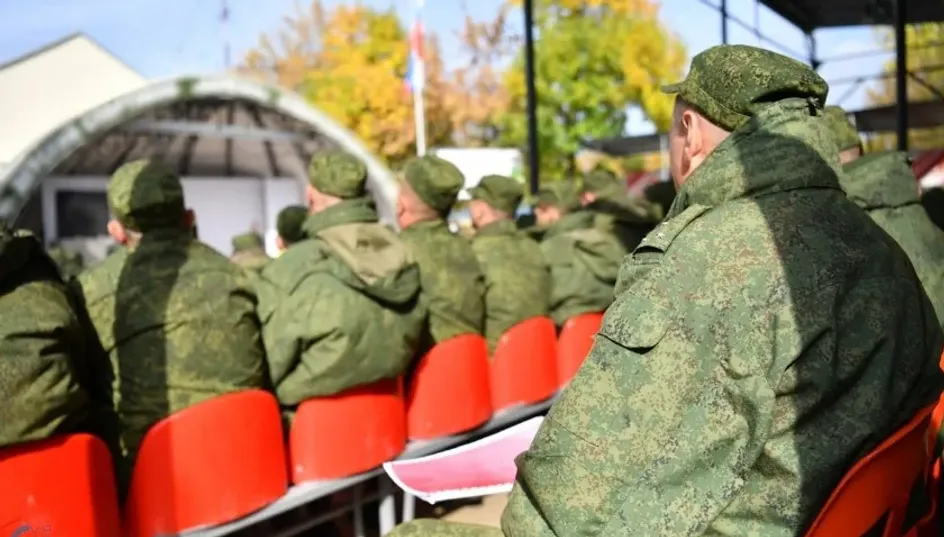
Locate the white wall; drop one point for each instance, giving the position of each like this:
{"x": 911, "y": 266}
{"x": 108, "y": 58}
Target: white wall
{"x": 223, "y": 207}
{"x": 40, "y": 93}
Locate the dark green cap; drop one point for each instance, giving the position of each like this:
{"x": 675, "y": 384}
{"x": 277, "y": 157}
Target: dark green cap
{"x": 338, "y": 174}
{"x": 730, "y": 83}
{"x": 144, "y": 195}
{"x": 436, "y": 181}
{"x": 600, "y": 180}
{"x": 289, "y": 223}
{"x": 500, "y": 192}
{"x": 247, "y": 241}
{"x": 844, "y": 132}
{"x": 561, "y": 194}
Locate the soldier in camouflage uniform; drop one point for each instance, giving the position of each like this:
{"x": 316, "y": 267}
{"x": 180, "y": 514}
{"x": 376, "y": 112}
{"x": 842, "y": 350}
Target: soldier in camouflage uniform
{"x": 453, "y": 283}
{"x": 43, "y": 345}
{"x": 341, "y": 308}
{"x": 768, "y": 334}
{"x": 70, "y": 262}
{"x": 661, "y": 195}
{"x": 517, "y": 278}
{"x": 584, "y": 260}
{"x": 175, "y": 317}
{"x": 249, "y": 251}
{"x": 885, "y": 187}
{"x": 290, "y": 226}
{"x": 628, "y": 219}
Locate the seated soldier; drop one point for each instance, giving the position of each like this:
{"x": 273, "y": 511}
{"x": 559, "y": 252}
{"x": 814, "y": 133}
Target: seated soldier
{"x": 249, "y": 251}
{"x": 340, "y": 308}
{"x": 290, "y": 226}
{"x": 453, "y": 284}
{"x": 43, "y": 345}
{"x": 175, "y": 317}
{"x": 628, "y": 219}
{"x": 884, "y": 186}
{"x": 517, "y": 278}
{"x": 584, "y": 260}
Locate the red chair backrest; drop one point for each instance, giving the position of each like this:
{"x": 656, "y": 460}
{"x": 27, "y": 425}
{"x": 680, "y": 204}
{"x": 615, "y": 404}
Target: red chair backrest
{"x": 64, "y": 485}
{"x": 348, "y": 433}
{"x": 574, "y": 343}
{"x": 524, "y": 366}
{"x": 880, "y": 484}
{"x": 449, "y": 391}
{"x": 210, "y": 464}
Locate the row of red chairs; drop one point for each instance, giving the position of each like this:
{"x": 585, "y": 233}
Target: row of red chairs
{"x": 225, "y": 458}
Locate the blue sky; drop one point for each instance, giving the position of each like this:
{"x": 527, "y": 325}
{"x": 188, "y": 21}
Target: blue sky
{"x": 170, "y": 37}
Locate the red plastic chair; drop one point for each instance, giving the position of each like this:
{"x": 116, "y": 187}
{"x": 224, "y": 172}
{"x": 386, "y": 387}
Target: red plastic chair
{"x": 881, "y": 483}
{"x": 574, "y": 343}
{"x": 449, "y": 391}
{"x": 349, "y": 433}
{"x": 524, "y": 368}
{"x": 64, "y": 485}
{"x": 210, "y": 464}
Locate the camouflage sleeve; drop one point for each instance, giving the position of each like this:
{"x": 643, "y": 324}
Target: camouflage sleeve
{"x": 39, "y": 334}
{"x": 306, "y": 342}
{"x": 565, "y": 283}
{"x": 654, "y": 434}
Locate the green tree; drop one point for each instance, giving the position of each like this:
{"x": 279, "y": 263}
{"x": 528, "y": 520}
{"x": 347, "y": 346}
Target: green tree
{"x": 925, "y": 44}
{"x": 594, "y": 59}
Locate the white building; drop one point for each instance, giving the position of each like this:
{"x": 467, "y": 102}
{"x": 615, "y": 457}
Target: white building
{"x": 73, "y": 113}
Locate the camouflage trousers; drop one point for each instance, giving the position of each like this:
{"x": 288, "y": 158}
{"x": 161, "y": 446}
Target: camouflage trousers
{"x": 440, "y": 528}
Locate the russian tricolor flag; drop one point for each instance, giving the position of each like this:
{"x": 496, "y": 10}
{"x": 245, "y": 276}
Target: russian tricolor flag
{"x": 416, "y": 68}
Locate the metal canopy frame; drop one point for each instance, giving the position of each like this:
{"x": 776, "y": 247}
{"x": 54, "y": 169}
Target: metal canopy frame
{"x": 808, "y": 16}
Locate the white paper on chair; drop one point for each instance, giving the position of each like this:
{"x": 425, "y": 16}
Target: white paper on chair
{"x": 480, "y": 468}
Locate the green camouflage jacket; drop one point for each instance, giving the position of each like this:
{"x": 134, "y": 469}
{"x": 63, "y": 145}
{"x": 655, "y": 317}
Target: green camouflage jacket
{"x": 628, "y": 220}
{"x": 517, "y": 278}
{"x": 453, "y": 283}
{"x": 885, "y": 187}
{"x": 584, "y": 264}
{"x": 178, "y": 323}
{"x": 763, "y": 338}
{"x": 340, "y": 308}
{"x": 43, "y": 345}
{"x": 253, "y": 260}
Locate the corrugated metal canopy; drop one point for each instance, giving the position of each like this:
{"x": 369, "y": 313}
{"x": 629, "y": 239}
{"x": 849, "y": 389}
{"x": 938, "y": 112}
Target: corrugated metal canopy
{"x": 205, "y": 126}
{"x": 809, "y": 15}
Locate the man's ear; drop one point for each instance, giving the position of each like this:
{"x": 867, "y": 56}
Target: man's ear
{"x": 117, "y": 232}
{"x": 279, "y": 243}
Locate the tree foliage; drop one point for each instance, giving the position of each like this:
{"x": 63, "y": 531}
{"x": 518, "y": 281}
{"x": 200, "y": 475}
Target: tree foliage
{"x": 925, "y": 44}
{"x": 595, "y": 58}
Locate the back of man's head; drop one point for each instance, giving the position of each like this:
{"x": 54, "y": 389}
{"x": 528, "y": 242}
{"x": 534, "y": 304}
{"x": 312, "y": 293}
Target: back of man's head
{"x": 144, "y": 195}
{"x": 844, "y": 133}
{"x": 431, "y": 187}
{"x": 726, "y": 86}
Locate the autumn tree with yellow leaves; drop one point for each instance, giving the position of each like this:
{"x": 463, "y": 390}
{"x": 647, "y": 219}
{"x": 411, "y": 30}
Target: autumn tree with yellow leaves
{"x": 925, "y": 44}
{"x": 595, "y": 58}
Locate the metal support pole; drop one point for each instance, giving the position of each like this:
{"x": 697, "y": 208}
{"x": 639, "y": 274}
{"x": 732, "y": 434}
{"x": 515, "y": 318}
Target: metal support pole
{"x": 901, "y": 73}
{"x": 387, "y": 510}
{"x": 533, "y": 161}
{"x": 811, "y": 46}
{"x": 724, "y": 22}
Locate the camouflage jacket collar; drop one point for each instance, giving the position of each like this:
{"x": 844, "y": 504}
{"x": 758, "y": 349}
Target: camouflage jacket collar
{"x": 347, "y": 212}
{"x": 880, "y": 180}
{"x": 427, "y": 226}
{"x": 786, "y": 146}
{"x": 570, "y": 222}
{"x": 497, "y": 229}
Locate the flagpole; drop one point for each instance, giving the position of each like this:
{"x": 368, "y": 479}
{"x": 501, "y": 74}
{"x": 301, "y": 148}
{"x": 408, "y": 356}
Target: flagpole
{"x": 419, "y": 86}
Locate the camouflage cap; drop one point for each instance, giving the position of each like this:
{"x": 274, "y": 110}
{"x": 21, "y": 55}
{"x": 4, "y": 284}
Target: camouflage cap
{"x": 144, "y": 195}
{"x": 561, "y": 194}
{"x": 289, "y": 223}
{"x": 436, "y": 181}
{"x": 247, "y": 241}
{"x": 500, "y": 192}
{"x": 844, "y": 132}
{"x": 599, "y": 180}
{"x": 339, "y": 174}
{"x": 730, "y": 83}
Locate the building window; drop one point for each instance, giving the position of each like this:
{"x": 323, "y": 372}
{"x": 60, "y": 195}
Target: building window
{"x": 81, "y": 214}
